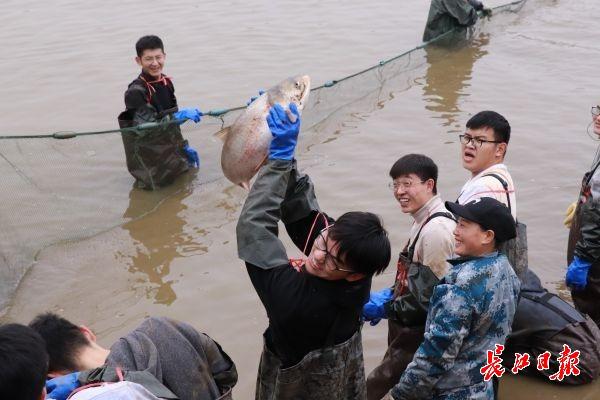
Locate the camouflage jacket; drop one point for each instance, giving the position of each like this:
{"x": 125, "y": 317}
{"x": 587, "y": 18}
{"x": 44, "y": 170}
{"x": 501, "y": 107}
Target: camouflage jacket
{"x": 471, "y": 310}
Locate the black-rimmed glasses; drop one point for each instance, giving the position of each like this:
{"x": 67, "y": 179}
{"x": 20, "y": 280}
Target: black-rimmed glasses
{"x": 321, "y": 245}
{"x": 477, "y": 142}
{"x": 596, "y": 111}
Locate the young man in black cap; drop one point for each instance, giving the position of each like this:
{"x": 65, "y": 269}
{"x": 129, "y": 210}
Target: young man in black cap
{"x": 470, "y": 312}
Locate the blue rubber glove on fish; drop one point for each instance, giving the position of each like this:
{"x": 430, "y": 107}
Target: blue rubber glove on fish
{"x": 260, "y": 93}
{"x": 60, "y": 388}
{"x": 374, "y": 310}
{"x": 577, "y": 273}
{"x": 192, "y": 156}
{"x": 284, "y": 131}
{"x": 188, "y": 113}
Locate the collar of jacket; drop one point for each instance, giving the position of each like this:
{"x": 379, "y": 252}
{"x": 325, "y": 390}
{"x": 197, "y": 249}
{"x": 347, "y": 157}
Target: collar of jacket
{"x": 460, "y": 260}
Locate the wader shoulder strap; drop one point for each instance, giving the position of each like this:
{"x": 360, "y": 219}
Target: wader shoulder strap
{"x": 411, "y": 249}
{"x": 589, "y": 175}
{"x": 505, "y": 185}
{"x": 544, "y": 300}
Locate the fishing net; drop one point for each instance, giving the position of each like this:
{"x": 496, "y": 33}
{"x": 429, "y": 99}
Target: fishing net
{"x": 61, "y": 190}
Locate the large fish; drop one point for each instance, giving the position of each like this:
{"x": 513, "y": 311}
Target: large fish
{"x": 247, "y": 140}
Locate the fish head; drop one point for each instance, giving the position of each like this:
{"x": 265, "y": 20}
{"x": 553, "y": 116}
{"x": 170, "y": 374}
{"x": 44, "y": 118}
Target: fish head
{"x": 292, "y": 90}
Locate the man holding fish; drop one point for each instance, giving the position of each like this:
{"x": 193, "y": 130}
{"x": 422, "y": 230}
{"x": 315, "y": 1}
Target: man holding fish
{"x": 313, "y": 344}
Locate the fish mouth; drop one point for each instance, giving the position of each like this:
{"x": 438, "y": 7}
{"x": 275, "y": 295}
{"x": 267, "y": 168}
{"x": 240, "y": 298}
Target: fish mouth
{"x": 302, "y": 98}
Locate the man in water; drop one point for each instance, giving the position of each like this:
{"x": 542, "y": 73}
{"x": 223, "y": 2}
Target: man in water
{"x": 313, "y": 346}
{"x": 446, "y": 15}
{"x": 158, "y": 155}
{"x": 583, "y": 273}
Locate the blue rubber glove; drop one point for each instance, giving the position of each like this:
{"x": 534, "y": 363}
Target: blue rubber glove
{"x": 60, "y": 388}
{"x": 284, "y": 131}
{"x": 577, "y": 273}
{"x": 188, "y": 113}
{"x": 374, "y": 310}
{"x": 260, "y": 93}
{"x": 192, "y": 156}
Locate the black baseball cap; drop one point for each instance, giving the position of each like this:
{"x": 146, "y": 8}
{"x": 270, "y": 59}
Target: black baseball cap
{"x": 490, "y": 214}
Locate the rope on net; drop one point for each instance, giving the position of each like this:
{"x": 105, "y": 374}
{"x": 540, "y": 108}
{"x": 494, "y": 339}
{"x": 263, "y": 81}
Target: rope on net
{"x": 220, "y": 113}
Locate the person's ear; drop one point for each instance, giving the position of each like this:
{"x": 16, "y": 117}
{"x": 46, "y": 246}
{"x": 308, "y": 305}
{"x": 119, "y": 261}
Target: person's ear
{"x": 355, "y": 276}
{"x": 138, "y": 61}
{"x": 488, "y": 237}
{"x": 501, "y": 150}
{"x": 87, "y": 332}
{"x": 430, "y": 183}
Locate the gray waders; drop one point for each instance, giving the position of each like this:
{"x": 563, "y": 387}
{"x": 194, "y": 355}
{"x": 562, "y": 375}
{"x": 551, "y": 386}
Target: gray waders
{"x": 407, "y": 316}
{"x": 515, "y": 249}
{"x": 585, "y": 300}
{"x": 155, "y": 156}
{"x": 334, "y": 372}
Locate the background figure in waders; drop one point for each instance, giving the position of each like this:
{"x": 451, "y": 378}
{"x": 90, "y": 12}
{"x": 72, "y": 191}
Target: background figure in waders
{"x": 312, "y": 346}
{"x": 446, "y": 15}
{"x": 583, "y": 255}
{"x": 483, "y": 148}
{"x": 543, "y": 323}
{"x": 155, "y": 156}
{"x": 421, "y": 265}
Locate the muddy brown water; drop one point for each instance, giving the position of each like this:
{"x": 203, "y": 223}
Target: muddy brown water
{"x": 107, "y": 255}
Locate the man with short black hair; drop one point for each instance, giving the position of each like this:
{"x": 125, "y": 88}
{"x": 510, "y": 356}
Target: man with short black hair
{"x": 157, "y": 155}
{"x": 179, "y": 359}
{"x": 421, "y": 265}
{"x": 470, "y": 312}
{"x": 313, "y": 344}
{"x": 483, "y": 148}
{"x": 23, "y": 363}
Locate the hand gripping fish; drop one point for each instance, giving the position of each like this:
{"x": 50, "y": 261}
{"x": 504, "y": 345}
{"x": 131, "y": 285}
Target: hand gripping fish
{"x": 247, "y": 140}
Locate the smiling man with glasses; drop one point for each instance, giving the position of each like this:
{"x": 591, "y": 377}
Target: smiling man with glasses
{"x": 312, "y": 346}
{"x": 421, "y": 265}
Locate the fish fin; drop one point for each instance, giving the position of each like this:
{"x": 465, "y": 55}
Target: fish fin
{"x": 245, "y": 185}
{"x": 222, "y": 134}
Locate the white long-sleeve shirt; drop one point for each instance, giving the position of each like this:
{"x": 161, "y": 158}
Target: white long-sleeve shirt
{"x": 487, "y": 186}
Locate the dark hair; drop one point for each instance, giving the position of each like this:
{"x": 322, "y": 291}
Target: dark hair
{"x": 493, "y": 120}
{"x": 363, "y": 242}
{"x": 149, "y": 42}
{"x": 63, "y": 339}
{"x": 23, "y": 363}
{"x": 417, "y": 164}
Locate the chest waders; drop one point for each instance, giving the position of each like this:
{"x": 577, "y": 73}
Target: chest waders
{"x": 413, "y": 288}
{"x": 514, "y": 249}
{"x": 333, "y": 372}
{"x": 585, "y": 300}
{"x": 155, "y": 156}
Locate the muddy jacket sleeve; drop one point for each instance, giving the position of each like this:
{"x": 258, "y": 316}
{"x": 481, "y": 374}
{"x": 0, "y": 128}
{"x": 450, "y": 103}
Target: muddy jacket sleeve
{"x": 588, "y": 246}
{"x": 257, "y": 230}
{"x": 451, "y": 319}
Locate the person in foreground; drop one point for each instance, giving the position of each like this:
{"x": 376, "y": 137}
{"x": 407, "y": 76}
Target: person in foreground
{"x": 23, "y": 363}
{"x": 470, "y": 312}
{"x": 312, "y": 346}
{"x": 169, "y": 358}
{"x": 421, "y": 265}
